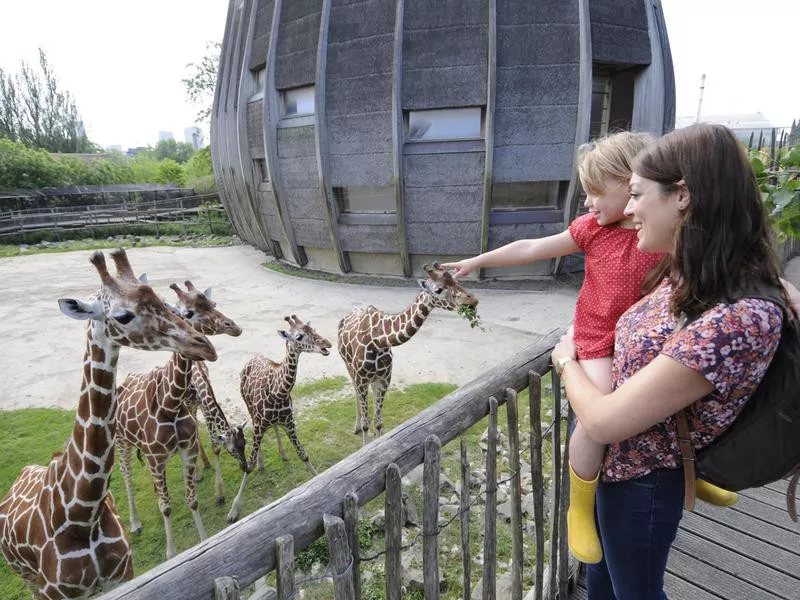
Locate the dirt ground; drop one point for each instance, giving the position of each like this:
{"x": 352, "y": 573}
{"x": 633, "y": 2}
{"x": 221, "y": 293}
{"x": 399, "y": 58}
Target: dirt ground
{"x": 42, "y": 350}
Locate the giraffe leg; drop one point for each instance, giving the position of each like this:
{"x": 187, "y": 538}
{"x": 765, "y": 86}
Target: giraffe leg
{"x": 291, "y": 431}
{"x": 236, "y": 505}
{"x": 281, "y": 450}
{"x": 189, "y": 467}
{"x": 125, "y": 467}
{"x": 219, "y": 486}
{"x": 158, "y": 470}
{"x": 203, "y": 458}
{"x": 362, "y": 409}
{"x": 378, "y": 391}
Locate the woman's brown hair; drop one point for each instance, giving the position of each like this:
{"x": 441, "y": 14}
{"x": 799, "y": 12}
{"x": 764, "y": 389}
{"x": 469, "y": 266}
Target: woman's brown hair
{"x": 724, "y": 240}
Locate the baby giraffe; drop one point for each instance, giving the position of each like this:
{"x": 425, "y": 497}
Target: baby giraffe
{"x": 201, "y": 395}
{"x": 153, "y": 416}
{"x": 366, "y": 337}
{"x": 59, "y": 528}
{"x": 266, "y": 388}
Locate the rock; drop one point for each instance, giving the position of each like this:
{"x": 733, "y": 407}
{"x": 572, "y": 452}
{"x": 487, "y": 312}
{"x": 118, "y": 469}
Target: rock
{"x": 409, "y": 511}
{"x": 504, "y": 510}
{"x": 414, "y": 476}
{"x": 502, "y": 495}
{"x": 446, "y": 486}
{"x": 378, "y": 521}
{"x": 503, "y": 587}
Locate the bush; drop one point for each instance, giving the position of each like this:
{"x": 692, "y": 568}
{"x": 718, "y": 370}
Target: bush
{"x": 22, "y": 167}
{"x": 170, "y": 171}
{"x": 780, "y": 189}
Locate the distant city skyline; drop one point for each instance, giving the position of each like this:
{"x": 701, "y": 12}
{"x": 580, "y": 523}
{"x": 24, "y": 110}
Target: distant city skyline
{"x": 124, "y": 62}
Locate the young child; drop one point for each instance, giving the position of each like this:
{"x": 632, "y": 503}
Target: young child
{"x": 615, "y": 272}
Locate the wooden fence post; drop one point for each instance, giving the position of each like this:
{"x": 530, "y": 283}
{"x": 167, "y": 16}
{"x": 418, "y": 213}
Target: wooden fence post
{"x": 341, "y": 560}
{"x": 466, "y": 559}
{"x": 490, "y": 514}
{"x": 430, "y": 517}
{"x": 535, "y": 393}
{"x": 226, "y": 588}
{"x": 284, "y": 550}
{"x": 555, "y": 521}
{"x": 563, "y": 552}
{"x": 350, "y": 513}
{"x": 393, "y": 570}
{"x": 516, "y": 497}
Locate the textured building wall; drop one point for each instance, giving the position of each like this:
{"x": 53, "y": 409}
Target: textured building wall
{"x": 444, "y": 63}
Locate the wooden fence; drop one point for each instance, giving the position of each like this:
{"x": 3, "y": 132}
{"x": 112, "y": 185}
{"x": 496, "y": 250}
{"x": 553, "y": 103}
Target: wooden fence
{"x": 267, "y": 540}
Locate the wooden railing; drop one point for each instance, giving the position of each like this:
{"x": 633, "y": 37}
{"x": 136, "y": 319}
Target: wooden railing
{"x": 266, "y": 540}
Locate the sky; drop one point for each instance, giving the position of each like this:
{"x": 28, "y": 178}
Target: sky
{"x": 123, "y": 61}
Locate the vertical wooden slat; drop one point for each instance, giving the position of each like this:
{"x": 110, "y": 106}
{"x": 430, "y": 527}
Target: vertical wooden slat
{"x": 491, "y": 92}
{"x": 350, "y": 513}
{"x": 398, "y": 136}
{"x": 516, "y": 497}
{"x": 466, "y": 560}
{"x": 583, "y": 117}
{"x": 563, "y": 552}
{"x": 392, "y": 509}
{"x": 226, "y": 588}
{"x": 430, "y": 517}
{"x": 321, "y": 139}
{"x": 340, "y": 557}
{"x": 555, "y": 521}
{"x": 284, "y": 551}
{"x": 490, "y": 514}
{"x": 535, "y": 393}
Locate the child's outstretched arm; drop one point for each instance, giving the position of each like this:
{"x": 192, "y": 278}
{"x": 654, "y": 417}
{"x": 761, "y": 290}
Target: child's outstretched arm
{"x": 517, "y": 253}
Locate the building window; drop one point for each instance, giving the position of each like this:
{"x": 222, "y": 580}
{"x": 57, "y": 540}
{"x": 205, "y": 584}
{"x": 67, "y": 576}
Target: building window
{"x": 297, "y": 101}
{"x": 444, "y": 124}
{"x": 601, "y": 105}
{"x": 261, "y": 169}
{"x": 522, "y": 195}
{"x": 365, "y": 199}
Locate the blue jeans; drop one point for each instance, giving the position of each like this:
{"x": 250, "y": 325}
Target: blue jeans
{"x": 637, "y": 520}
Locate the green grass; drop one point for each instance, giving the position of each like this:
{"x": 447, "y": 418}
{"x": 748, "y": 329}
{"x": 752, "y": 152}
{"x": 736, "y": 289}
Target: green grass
{"x": 30, "y": 437}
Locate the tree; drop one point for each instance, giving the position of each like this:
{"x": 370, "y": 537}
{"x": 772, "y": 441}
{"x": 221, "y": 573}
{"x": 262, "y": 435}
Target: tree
{"x": 202, "y": 80}
{"x": 35, "y": 111}
{"x": 178, "y": 151}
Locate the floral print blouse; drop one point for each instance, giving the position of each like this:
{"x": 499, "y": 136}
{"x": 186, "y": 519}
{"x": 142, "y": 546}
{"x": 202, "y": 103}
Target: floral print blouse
{"x": 731, "y": 345}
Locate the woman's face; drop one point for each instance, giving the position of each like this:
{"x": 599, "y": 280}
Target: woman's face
{"x": 656, "y": 216}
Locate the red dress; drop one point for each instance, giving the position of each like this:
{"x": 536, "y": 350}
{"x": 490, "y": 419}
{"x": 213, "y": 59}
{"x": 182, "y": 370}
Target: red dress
{"x": 614, "y": 273}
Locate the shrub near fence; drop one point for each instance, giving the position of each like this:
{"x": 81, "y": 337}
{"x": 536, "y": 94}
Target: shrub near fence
{"x": 266, "y": 540}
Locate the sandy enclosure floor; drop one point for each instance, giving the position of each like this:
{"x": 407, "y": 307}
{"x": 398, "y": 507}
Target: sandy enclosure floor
{"x": 42, "y": 350}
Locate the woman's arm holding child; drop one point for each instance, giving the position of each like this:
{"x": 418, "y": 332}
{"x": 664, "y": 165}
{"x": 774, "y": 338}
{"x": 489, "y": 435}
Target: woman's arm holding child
{"x": 519, "y": 252}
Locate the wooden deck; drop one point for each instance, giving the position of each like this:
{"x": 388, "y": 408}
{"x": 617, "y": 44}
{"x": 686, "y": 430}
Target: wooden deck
{"x": 750, "y": 551}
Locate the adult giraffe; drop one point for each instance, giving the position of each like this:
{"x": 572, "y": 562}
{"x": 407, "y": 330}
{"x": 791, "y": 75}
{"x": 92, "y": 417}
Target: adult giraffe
{"x": 367, "y": 334}
{"x": 59, "y": 528}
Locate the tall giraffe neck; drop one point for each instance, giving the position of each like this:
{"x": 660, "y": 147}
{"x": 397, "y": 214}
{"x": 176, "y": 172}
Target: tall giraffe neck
{"x": 393, "y": 330}
{"x": 178, "y": 377}
{"x": 81, "y": 474}
{"x": 211, "y": 410}
{"x": 287, "y": 372}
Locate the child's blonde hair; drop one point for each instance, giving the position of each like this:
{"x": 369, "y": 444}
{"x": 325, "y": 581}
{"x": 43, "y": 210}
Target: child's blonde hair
{"x": 609, "y": 157}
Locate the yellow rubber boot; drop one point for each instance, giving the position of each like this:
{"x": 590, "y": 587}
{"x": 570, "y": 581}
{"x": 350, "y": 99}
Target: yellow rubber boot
{"x": 713, "y": 494}
{"x": 581, "y": 530}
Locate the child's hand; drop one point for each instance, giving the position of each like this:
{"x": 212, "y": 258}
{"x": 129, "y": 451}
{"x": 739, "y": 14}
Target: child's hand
{"x": 460, "y": 269}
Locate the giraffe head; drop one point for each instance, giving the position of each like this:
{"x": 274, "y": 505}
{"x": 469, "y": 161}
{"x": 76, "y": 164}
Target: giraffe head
{"x": 200, "y": 311}
{"x": 302, "y": 337}
{"x": 234, "y": 442}
{"x": 133, "y": 315}
{"x": 444, "y": 291}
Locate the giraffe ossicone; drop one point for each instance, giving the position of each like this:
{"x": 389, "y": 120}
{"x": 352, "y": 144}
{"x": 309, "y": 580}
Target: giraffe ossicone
{"x": 367, "y": 334}
{"x": 59, "y": 527}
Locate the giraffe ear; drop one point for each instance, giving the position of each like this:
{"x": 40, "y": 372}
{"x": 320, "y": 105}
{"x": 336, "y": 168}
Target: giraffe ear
{"x": 143, "y": 278}
{"x": 422, "y": 283}
{"x": 78, "y": 309}
{"x": 207, "y": 293}
{"x": 285, "y": 335}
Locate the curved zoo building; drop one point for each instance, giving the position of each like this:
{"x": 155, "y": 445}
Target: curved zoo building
{"x": 372, "y": 136}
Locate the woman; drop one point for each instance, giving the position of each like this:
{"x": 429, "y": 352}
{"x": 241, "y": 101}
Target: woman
{"x": 694, "y": 196}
